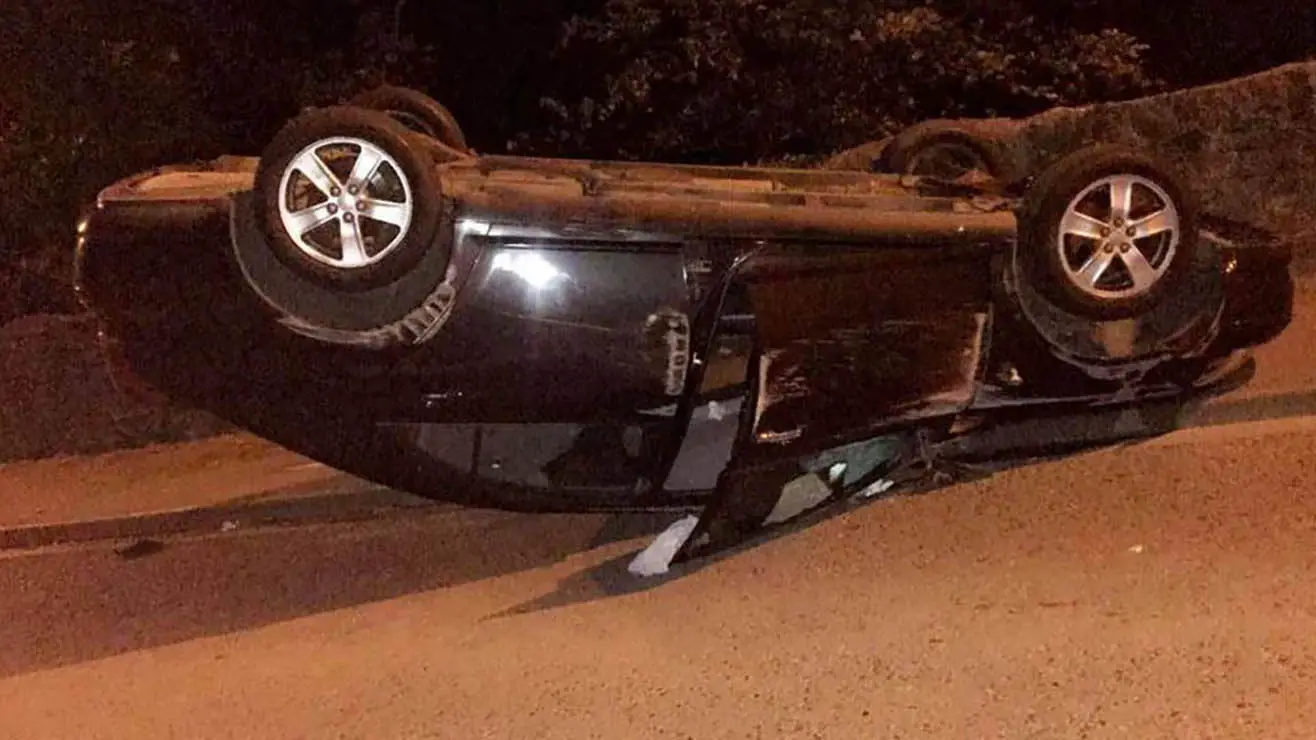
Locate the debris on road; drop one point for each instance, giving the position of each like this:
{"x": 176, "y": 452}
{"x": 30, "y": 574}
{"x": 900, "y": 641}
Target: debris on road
{"x": 803, "y": 494}
{"x": 656, "y": 559}
{"x": 140, "y": 549}
{"x": 876, "y": 488}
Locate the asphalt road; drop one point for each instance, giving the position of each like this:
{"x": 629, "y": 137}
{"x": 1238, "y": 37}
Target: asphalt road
{"x": 1162, "y": 589}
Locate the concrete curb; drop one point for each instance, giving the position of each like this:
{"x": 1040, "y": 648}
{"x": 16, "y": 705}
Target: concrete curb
{"x": 326, "y": 508}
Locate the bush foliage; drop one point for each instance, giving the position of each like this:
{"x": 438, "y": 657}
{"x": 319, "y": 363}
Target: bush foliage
{"x": 751, "y": 79}
{"x": 99, "y": 90}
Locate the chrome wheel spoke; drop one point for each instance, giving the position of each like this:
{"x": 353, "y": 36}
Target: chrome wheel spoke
{"x": 354, "y": 246}
{"x": 309, "y": 219}
{"x": 386, "y": 211}
{"x": 367, "y": 163}
{"x": 1081, "y": 224}
{"x": 1161, "y": 221}
{"x": 1121, "y": 198}
{"x": 315, "y": 170}
{"x": 1140, "y": 270}
{"x": 1092, "y": 270}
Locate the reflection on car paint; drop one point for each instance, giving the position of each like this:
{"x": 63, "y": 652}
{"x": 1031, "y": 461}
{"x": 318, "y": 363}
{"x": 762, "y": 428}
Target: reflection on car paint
{"x": 530, "y": 266}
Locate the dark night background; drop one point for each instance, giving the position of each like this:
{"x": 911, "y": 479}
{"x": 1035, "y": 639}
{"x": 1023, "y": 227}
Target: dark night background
{"x": 97, "y": 89}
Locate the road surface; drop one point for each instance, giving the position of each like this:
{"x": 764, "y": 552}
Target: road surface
{"x": 1163, "y": 589}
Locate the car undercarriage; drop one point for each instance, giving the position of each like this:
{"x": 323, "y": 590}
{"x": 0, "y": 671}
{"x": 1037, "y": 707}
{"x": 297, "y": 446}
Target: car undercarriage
{"x": 756, "y": 342}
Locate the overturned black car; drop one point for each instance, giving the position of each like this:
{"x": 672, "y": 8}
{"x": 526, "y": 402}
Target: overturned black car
{"x": 564, "y": 335}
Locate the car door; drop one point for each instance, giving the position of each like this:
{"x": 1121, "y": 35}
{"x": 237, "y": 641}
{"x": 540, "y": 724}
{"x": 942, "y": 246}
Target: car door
{"x": 851, "y": 343}
{"x": 856, "y": 341}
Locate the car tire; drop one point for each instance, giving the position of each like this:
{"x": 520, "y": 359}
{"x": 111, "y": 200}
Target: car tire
{"x": 350, "y": 213}
{"x": 943, "y": 149}
{"x": 417, "y": 111}
{"x": 1091, "y": 261}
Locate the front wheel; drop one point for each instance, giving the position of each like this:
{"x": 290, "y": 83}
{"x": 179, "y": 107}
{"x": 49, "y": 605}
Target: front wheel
{"x": 942, "y": 149}
{"x": 417, "y": 111}
{"x": 1106, "y": 232}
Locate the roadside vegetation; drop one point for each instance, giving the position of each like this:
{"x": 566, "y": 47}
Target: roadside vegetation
{"x": 126, "y": 85}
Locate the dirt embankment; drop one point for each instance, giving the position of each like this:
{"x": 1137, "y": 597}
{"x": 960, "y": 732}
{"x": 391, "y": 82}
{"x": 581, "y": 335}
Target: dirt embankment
{"x": 1248, "y": 145}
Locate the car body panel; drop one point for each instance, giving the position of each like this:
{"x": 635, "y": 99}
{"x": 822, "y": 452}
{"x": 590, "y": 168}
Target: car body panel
{"x": 540, "y": 320}
{"x": 853, "y": 342}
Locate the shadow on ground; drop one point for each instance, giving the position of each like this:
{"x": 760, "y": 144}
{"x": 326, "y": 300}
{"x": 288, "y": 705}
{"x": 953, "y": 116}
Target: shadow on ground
{"x": 65, "y": 607}
{"x": 611, "y": 579}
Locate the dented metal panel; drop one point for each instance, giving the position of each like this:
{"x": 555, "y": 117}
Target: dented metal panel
{"x": 862, "y": 342}
{"x": 851, "y": 345}
{"x": 859, "y": 379}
